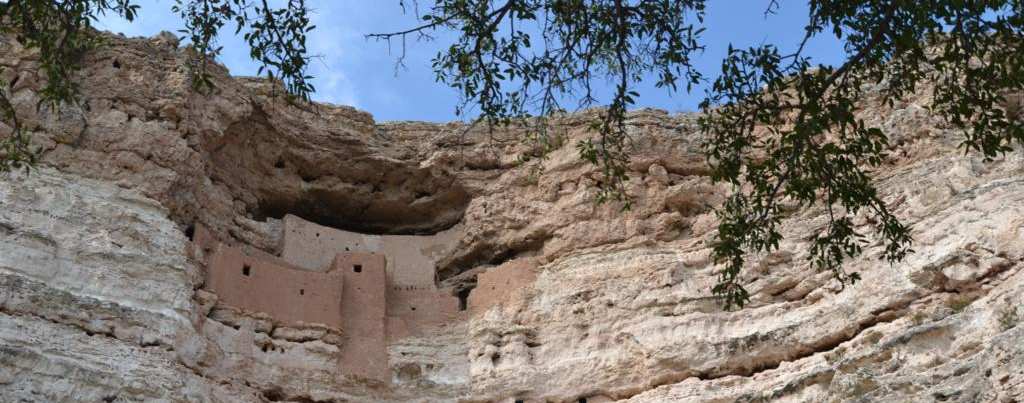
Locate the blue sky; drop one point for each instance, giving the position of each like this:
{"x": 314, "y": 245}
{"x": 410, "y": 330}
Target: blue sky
{"x": 352, "y": 70}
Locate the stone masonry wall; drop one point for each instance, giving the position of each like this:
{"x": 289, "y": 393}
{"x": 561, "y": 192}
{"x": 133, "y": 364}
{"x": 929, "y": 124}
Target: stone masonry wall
{"x": 414, "y": 303}
{"x": 350, "y": 295}
{"x": 287, "y": 294}
{"x": 364, "y": 352}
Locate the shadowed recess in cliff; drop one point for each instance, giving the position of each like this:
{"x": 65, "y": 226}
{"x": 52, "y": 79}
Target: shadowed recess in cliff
{"x": 364, "y": 212}
{"x": 488, "y": 254}
{"x": 340, "y": 181}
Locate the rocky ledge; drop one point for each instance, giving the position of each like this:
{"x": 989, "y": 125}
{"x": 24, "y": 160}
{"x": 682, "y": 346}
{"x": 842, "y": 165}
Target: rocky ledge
{"x": 100, "y": 299}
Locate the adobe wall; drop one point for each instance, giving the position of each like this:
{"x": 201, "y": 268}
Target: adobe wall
{"x": 501, "y": 284}
{"x": 414, "y": 304}
{"x": 359, "y": 291}
{"x": 411, "y": 258}
{"x": 288, "y": 294}
{"x": 204, "y": 243}
{"x": 350, "y": 296}
{"x": 363, "y": 315}
{"x": 415, "y": 310}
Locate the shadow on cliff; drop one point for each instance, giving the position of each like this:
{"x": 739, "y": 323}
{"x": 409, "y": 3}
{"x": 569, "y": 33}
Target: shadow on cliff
{"x": 331, "y": 180}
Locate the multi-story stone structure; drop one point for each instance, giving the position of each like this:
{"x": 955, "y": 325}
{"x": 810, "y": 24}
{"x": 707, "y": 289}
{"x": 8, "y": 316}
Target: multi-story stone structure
{"x": 374, "y": 288}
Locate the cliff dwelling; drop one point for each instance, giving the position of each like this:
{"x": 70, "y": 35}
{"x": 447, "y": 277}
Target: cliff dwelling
{"x": 375, "y": 289}
{"x": 235, "y": 246}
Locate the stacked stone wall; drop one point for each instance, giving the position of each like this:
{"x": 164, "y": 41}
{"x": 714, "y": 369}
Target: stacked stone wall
{"x": 286, "y": 293}
{"x": 414, "y": 303}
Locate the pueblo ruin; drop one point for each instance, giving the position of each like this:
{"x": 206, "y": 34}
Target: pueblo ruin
{"x": 373, "y": 288}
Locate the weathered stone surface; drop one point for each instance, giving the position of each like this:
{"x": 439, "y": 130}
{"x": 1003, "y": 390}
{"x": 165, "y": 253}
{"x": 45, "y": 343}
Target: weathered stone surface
{"x": 95, "y": 296}
{"x": 90, "y": 254}
{"x": 99, "y": 301}
{"x": 43, "y": 361}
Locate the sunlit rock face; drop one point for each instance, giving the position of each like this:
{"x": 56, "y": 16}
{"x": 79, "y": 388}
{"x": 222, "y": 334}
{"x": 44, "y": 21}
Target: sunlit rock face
{"x": 102, "y": 294}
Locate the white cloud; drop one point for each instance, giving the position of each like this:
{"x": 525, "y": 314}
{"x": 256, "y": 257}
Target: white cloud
{"x": 329, "y": 43}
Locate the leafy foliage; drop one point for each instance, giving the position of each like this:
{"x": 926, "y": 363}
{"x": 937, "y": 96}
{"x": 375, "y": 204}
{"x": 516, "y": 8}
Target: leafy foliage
{"x": 778, "y": 128}
{"x": 276, "y": 38}
{"x": 61, "y": 32}
{"x": 781, "y": 130}
{"x": 524, "y": 58}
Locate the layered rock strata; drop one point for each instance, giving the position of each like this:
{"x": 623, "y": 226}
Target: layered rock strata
{"x": 99, "y": 300}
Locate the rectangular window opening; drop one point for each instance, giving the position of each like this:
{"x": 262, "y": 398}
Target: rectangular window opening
{"x": 246, "y": 269}
{"x": 358, "y": 268}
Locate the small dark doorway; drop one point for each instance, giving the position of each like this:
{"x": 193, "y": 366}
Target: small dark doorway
{"x": 464, "y": 299}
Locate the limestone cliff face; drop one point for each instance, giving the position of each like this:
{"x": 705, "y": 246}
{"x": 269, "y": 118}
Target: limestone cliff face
{"x": 101, "y": 301}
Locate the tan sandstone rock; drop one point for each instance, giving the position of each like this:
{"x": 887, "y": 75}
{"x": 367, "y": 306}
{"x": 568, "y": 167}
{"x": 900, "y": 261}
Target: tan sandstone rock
{"x": 101, "y": 300}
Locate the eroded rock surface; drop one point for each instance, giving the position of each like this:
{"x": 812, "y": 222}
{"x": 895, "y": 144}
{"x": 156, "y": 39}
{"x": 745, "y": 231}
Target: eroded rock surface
{"x": 99, "y": 300}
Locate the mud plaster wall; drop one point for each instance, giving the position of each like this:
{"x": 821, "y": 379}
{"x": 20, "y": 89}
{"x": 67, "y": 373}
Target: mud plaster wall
{"x": 414, "y": 304}
{"x": 204, "y": 244}
{"x": 350, "y": 295}
{"x": 502, "y": 283}
{"x": 363, "y": 309}
{"x": 411, "y": 258}
{"x": 415, "y": 310}
{"x": 287, "y": 294}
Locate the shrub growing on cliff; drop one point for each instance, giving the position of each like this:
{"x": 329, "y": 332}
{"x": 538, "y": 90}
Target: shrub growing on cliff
{"x": 777, "y": 126}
